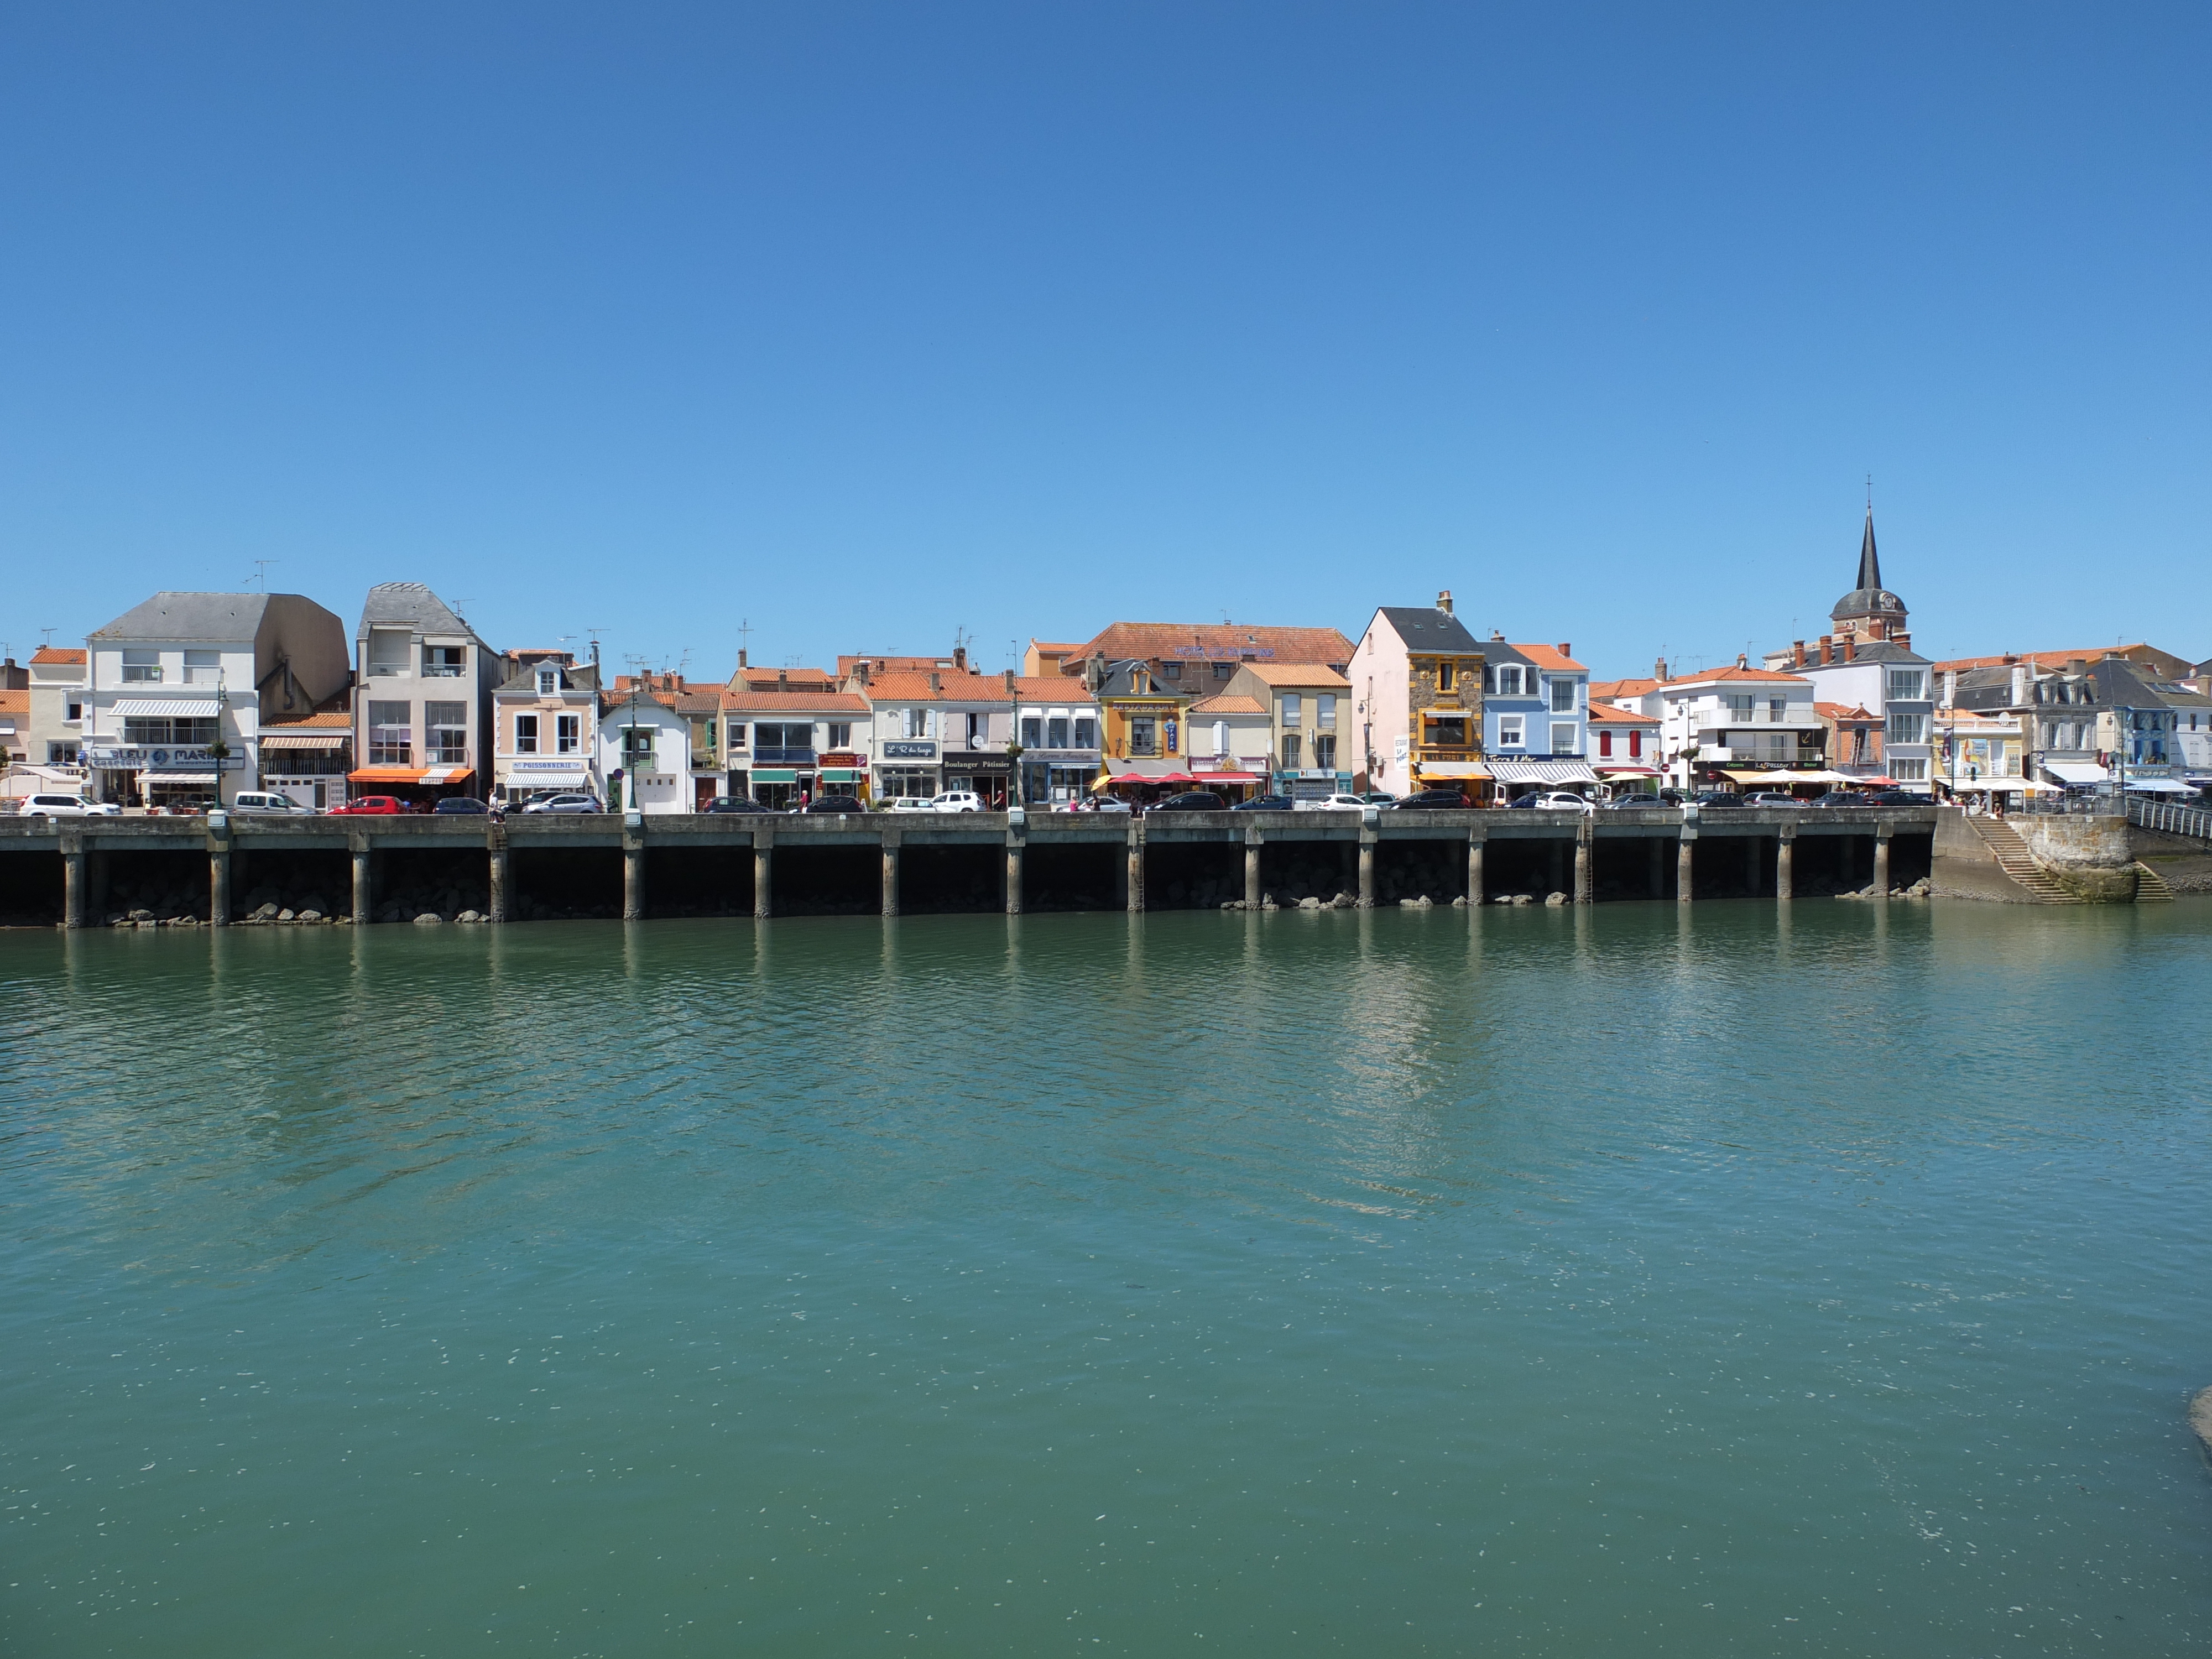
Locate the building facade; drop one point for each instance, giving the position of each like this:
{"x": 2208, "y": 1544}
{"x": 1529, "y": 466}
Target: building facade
{"x": 1738, "y": 727}
{"x": 1309, "y": 708}
{"x": 545, "y": 727}
{"x": 1535, "y": 718}
{"x": 790, "y": 735}
{"x": 1417, "y": 689}
{"x": 176, "y": 691}
{"x": 424, "y": 701}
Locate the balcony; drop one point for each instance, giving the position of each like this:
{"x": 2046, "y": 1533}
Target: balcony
{"x": 1799, "y": 715}
{"x": 1723, "y": 754}
{"x": 766, "y": 757}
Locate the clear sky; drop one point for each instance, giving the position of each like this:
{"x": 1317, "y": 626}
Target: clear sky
{"x": 862, "y": 324}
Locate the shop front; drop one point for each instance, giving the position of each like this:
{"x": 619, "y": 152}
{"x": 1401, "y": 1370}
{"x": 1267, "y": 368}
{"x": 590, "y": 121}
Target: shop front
{"x": 1518, "y": 778}
{"x": 308, "y": 768}
{"x": 1470, "y": 777}
{"x": 528, "y": 775}
{"x": 986, "y": 775}
{"x": 1628, "y": 780}
{"x": 420, "y": 787}
{"x": 165, "y": 778}
{"x": 906, "y": 769}
{"x": 843, "y": 772}
{"x": 1141, "y": 782}
{"x": 1234, "y": 784}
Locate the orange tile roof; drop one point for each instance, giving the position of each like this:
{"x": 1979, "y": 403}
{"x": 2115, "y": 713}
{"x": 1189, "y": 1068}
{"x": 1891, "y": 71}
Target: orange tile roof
{"x": 1615, "y": 691}
{"x": 1062, "y": 646}
{"x": 793, "y": 703}
{"x": 58, "y": 654}
{"x": 1547, "y": 656}
{"x": 1713, "y": 675}
{"x": 2042, "y": 658}
{"x": 1166, "y": 641}
{"x": 322, "y": 718}
{"x": 942, "y": 663}
{"x": 15, "y": 702}
{"x": 764, "y": 679}
{"x": 1604, "y": 713}
{"x": 1836, "y": 711}
{"x": 906, "y": 685}
{"x": 1051, "y": 688}
{"x": 1298, "y": 673}
{"x": 1226, "y": 703}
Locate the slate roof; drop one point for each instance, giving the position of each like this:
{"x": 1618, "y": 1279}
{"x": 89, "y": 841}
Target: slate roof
{"x": 576, "y": 676}
{"x": 1221, "y": 643}
{"x": 1871, "y": 651}
{"x": 410, "y": 605}
{"x": 1425, "y": 628}
{"x": 1870, "y": 598}
{"x": 174, "y": 615}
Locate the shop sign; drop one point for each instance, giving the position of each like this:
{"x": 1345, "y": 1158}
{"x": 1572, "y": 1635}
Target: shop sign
{"x": 910, "y": 750}
{"x": 958, "y": 762}
{"x": 841, "y": 757}
{"x": 139, "y": 757}
{"x": 1169, "y": 727}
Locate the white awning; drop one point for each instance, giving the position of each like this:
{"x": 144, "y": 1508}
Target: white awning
{"x": 2000, "y": 785}
{"x": 152, "y": 776}
{"x": 1546, "y": 771}
{"x": 2159, "y": 787}
{"x": 1451, "y": 769}
{"x": 175, "y": 708}
{"x": 2076, "y": 771}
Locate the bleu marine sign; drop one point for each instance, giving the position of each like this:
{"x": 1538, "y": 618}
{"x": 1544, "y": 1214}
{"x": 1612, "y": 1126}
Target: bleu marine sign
{"x": 143, "y": 758}
{"x": 910, "y": 750}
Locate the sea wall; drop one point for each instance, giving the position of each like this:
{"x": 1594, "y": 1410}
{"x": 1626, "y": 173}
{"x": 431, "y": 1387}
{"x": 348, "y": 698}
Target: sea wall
{"x": 2089, "y": 857}
{"x": 2184, "y": 861}
{"x": 1964, "y": 867}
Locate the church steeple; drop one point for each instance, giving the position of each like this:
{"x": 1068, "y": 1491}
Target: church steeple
{"x": 1869, "y": 562}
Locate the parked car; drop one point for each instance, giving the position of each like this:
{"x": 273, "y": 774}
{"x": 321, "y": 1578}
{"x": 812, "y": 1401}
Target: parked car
{"x": 1718, "y": 797}
{"x": 1635, "y": 803}
{"x": 564, "y": 804}
{"x": 369, "y": 807}
{"x": 1191, "y": 800}
{"x": 913, "y": 803}
{"x": 733, "y": 804}
{"x": 958, "y": 800}
{"x": 834, "y": 805}
{"x": 1266, "y": 804}
{"x": 1558, "y": 800}
{"x": 1339, "y": 803}
{"x": 461, "y": 806}
{"x": 1898, "y": 798}
{"x": 265, "y": 803}
{"x": 1379, "y": 798}
{"x": 1097, "y": 804}
{"x": 1843, "y": 798}
{"x": 1771, "y": 798}
{"x": 67, "y": 806}
{"x": 1428, "y": 800}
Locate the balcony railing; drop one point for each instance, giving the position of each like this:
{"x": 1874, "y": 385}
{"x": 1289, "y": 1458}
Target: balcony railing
{"x": 1729, "y": 754}
{"x": 1708, "y": 719}
{"x": 141, "y": 673}
{"x": 783, "y": 757}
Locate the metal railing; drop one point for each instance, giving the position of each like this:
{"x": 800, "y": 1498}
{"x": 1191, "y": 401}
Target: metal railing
{"x": 2173, "y": 820}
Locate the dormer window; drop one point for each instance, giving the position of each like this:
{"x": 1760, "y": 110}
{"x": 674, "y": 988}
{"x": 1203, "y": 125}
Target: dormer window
{"x": 548, "y": 682}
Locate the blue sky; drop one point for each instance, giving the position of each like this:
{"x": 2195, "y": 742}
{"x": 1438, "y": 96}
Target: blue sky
{"x": 863, "y": 324}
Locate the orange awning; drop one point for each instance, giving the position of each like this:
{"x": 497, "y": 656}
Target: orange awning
{"x": 385, "y": 774}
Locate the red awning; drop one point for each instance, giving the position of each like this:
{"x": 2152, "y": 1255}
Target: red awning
{"x": 1172, "y": 777}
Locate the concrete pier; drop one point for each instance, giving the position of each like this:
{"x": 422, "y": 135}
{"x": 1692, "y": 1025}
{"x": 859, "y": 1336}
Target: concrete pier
{"x": 890, "y": 876}
{"x": 1785, "y": 862}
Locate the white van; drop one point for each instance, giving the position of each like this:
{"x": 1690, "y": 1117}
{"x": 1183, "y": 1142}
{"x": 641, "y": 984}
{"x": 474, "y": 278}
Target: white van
{"x": 258, "y": 800}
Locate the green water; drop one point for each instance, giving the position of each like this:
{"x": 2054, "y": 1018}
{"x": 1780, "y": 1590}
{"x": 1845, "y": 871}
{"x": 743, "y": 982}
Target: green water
{"x": 1610, "y": 1281}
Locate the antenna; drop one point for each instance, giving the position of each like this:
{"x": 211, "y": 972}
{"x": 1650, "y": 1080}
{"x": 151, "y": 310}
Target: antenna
{"x": 745, "y": 632}
{"x": 260, "y": 576}
{"x": 49, "y": 634}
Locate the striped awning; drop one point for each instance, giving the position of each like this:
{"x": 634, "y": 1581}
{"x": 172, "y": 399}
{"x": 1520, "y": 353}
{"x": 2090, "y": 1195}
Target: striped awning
{"x": 1543, "y": 771}
{"x": 304, "y": 740}
{"x": 175, "y": 708}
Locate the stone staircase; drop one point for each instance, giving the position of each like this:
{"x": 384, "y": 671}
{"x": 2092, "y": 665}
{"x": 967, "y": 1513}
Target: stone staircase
{"x": 2012, "y": 855}
{"x": 2150, "y": 887}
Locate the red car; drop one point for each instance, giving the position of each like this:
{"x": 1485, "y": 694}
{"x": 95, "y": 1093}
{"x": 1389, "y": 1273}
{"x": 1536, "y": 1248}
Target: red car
{"x": 369, "y": 807}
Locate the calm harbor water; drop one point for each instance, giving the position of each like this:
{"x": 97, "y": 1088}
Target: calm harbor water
{"x": 1612, "y": 1281}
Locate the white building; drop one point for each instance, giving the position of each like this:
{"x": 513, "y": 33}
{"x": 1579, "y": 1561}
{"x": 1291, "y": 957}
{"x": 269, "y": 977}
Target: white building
{"x": 1736, "y": 726}
{"x": 644, "y": 748}
{"x": 176, "y": 691}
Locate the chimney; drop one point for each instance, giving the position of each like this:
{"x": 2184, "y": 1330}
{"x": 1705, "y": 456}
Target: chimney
{"x": 936, "y": 682}
{"x": 1879, "y": 629}
{"x": 741, "y": 656}
{"x": 1443, "y": 602}
{"x": 2019, "y": 684}
{"x": 1010, "y": 682}
{"x": 1850, "y": 648}
{"x": 783, "y": 679}
{"x": 1796, "y": 654}
{"x": 1902, "y": 640}
{"x": 1824, "y": 651}
{"x": 1950, "y": 688}
{"x": 1742, "y": 661}
{"x": 861, "y": 670}
{"x": 2077, "y": 666}
{"x": 959, "y": 659}
{"x": 1496, "y": 634}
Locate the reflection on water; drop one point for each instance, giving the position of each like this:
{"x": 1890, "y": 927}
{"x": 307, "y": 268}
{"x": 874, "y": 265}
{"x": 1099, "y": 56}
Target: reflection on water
{"x": 1646, "y": 1278}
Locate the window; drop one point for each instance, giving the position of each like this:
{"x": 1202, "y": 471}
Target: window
{"x": 1325, "y": 753}
{"x": 525, "y": 734}
{"x": 1858, "y": 745}
{"x": 1563, "y": 696}
{"x": 1605, "y": 746}
{"x": 1144, "y": 736}
{"x": 637, "y": 748}
{"x": 917, "y": 722}
{"x": 1563, "y": 738}
{"x": 161, "y": 731}
{"x": 1443, "y": 732}
{"x": 445, "y": 735}
{"x": 841, "y": 735}
{"x": 1325, "y": 710}
{"x": 736, "y": 734}
{"x": 1509, "y": 679}
{"x": 140, "y": 667}
{"x": 1636, "y": 745}
{"x": 391, "y": 734}
{"x": 570, "y": 734}
{"x": 1222, "y": 671}
{"x": 1291, "y": 751}
{"x": 1907, "y": 729}
{"x": 1740, "y": 704}
{"x": 1172, "y": 669}
{"x": 1033, "y": 732}
{"x": 73, "y": 712}
{"x": 203, "y": 668}
{"x": 1777, "y": 710}
{"x": 979, "y": 729}
{"x": 1509, "y": 730}
{"x": 1909, "y": 771}
{"x": 1086, "y": 733}
{"x": 61, "y": 754}
{"x": 548, "y": 682}
{"x": 388, "y": 650}
{"x": 443, "y": 661}
{"x": 1056, "y": 732}
{"x": 1905, "y": 685}
{"x": 1445, "y": 674}
{"x": 1291, "y": 709}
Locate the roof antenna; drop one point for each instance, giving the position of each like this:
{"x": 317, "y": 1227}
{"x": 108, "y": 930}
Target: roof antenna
{"x": 49, "y": 642}
{"x": 260, "y": 576}
{"x": 744, "y": 633}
